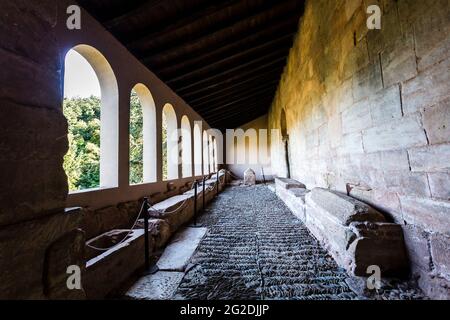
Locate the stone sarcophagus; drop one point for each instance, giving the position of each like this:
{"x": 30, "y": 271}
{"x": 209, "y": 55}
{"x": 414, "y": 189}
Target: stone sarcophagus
{"x": 249, "y": 177}
{"x": 354, "y": 233}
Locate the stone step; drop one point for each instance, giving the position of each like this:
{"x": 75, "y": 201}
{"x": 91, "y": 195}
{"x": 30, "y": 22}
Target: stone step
{"x": 172, "y": 264}
{"x": 159, "y": 286}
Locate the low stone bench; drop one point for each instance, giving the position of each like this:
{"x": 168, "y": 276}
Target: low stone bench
{"x": 355, "y": 234}
{"x": 176, "y": 210}
{"x": 109, "y": 269}
{"x": 286, "y": 183}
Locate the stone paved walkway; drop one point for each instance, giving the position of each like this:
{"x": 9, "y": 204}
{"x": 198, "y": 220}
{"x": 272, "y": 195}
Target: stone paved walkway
{"x": 257, "y": 249}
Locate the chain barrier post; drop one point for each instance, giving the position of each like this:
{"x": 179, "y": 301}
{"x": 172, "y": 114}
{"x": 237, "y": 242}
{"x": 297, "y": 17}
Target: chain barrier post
{"x": 195, "y": 202}
{"x": 145, "y": 208}
{"x": 217, "y": 178}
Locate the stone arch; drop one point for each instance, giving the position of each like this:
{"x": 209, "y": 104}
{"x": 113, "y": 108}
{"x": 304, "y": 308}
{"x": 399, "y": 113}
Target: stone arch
{"x": 109, "y": 111}
{"x": 186, "y": 147}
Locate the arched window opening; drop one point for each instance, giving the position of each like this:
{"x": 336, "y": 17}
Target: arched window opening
{"x": 205, "y": 153}
{"x": 169, "y": 143}
{"x": 91, "y": 108}
{"x": 186, "y": 147}
{"x": 197, "y": 149}
{"x": 142, "y": 136}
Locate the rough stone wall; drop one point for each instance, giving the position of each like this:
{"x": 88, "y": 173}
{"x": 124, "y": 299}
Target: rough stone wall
{"x": 368, "y": 113}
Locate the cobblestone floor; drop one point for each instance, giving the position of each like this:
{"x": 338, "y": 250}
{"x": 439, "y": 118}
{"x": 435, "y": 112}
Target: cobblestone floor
{"x": 257, "y": 249}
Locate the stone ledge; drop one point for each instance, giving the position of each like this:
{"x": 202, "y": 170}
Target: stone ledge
{"x": 286, "y": 183}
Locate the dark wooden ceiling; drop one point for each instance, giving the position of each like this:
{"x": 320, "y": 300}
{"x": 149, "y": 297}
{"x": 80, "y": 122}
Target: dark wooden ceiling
{"x": 223, "y": 57}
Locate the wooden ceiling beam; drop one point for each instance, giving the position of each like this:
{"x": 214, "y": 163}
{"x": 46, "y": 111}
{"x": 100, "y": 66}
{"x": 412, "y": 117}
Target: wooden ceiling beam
{"x": 283, "y": 27}
{"x": 203, "y": 21}
{"x": 226, "y": 118}
{"x": 265, "y": 88}
{"x": 223, "y": 57}
{"x": 271, "y": 48}
{"x": 233, "y": 94}
{"x": 104, "y": 10}
{"x": 223, "y": 74}
{"x": 280, "y": 60}
{"x": 128, "y": 15}
{"x": 236, "y": 115}
{"x": 240, "y": 29}
{"x": 252, "y": 97}
{"x": 234, "y": 83}
{"x": 238, "y": 122}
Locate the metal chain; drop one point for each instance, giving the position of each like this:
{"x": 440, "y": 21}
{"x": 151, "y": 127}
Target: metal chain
{"x": 234, "y": 176}
{"x": 124, "y": 238}
{"x": 180, "y": 207}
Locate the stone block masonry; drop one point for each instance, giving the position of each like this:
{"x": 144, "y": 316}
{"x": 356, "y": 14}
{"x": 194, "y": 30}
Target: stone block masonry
{"x": 384, "y": 129}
